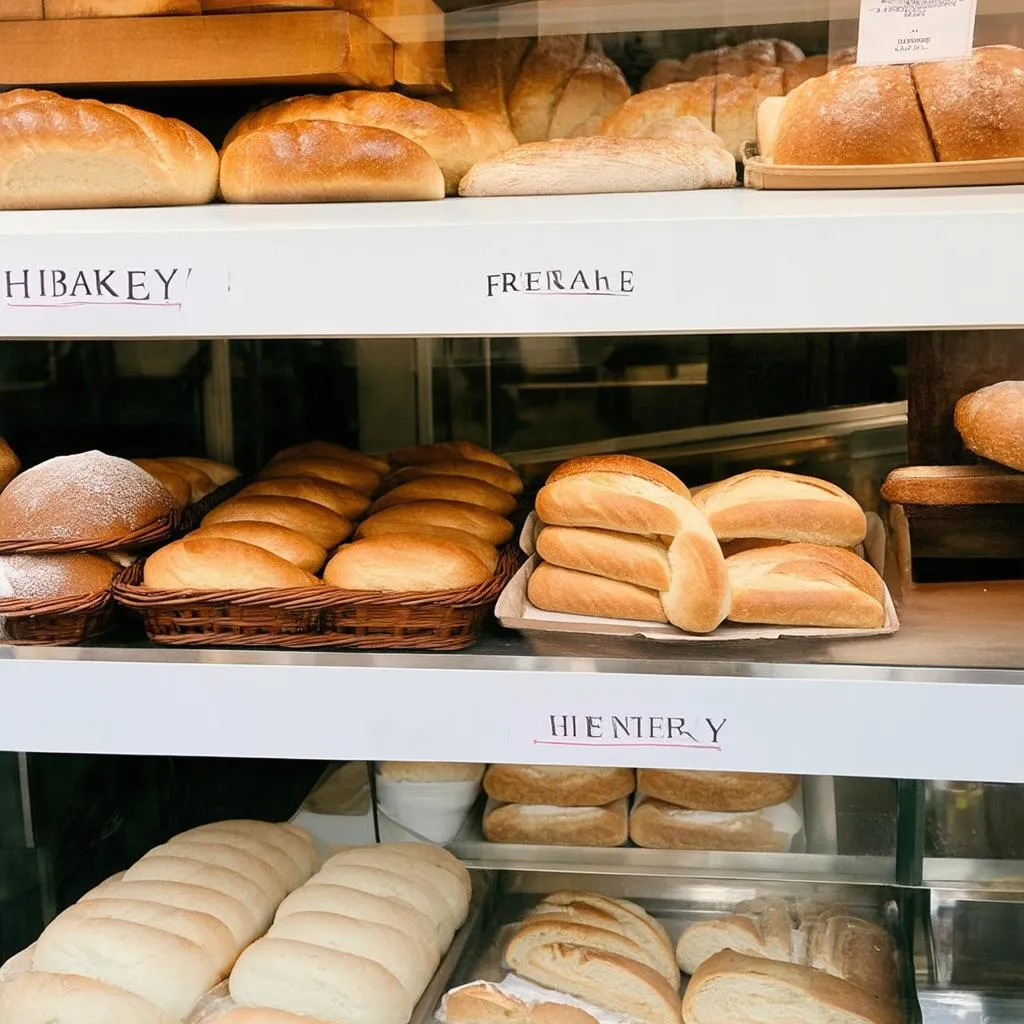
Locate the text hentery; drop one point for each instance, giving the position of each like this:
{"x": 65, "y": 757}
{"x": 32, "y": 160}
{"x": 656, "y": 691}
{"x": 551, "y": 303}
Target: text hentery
{"x": 99, "y": 285}
{"x": 562, "y": 282}
{"x": 670, "y": 728}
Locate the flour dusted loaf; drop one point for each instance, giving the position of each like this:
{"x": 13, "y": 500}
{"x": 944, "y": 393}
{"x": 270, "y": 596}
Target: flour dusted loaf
{"x": 9, "y": 464}
{"x": 716, "y": 791}
{"x": 58, "y": 153}
{"x": 45, "y": 577}
{"x": 86, "y": 499}
{"x": 991, "y": 422}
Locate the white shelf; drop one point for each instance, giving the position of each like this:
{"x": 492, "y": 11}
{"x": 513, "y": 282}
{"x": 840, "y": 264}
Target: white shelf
{"x": 724, "y": 261}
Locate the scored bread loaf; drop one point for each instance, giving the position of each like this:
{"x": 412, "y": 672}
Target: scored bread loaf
{"x": 991, "y": 422}
{"x": 38, "y": 997}
{"x": 9, "y": 464}
{"x": 342, "y": 500}
{"x": 569, "y": 592}
{"x": 377, "y": 527}
{"x": 346, "y": 472}
{"x": 44, "y": 577}
{"x": 482, "y": 1002}
{"x": 596, "y": 88}
{"x": 855, "y": 950}
{"x": 319, "y": 524}
{"x": 547, "y": 825}
{"x": 452, "y": 515}
{"x": 616, "y": 556}
{"x": 59, "y": 153}
{"x": 448, "y": 488}
{"x": 330, "y": 450}
{"x": 656, "y": 825}
{"x": 200, "y": 562}
{"x": 716, "y": 791}
{"x": 546, "y": 71}
{"x": 557, "y": 785}
{"x": 496, "y": 476}
{"x": 278, "y": 540}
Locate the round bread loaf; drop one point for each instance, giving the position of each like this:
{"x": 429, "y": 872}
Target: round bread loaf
{"x": 58, "y": 153}
{"x": 314, "y": 521}
{"x": 329, "y": 450}
{"x": 325, "y": 162}
{"x": 348, "y": 473}
{"x": 44, "y": 577}
{"x": 89, "y": 498}
{"x": 37, "y": 997}
{"x": 213, "y": 563}
{"x": 9, "y": 464}
{"x": 278, "y": 540}
{"x": 377, "y": 527}
{"x": 401, "y": 563}
{"x": 503, "y": 479}
{"x": 991, "y": 422}
{"x": 219, "y": 472}
{"x": 449, "y": 488}
{"x": 347, "y": 503}
{"x": 177, "y": 485}
{"x": 455, "y": 515}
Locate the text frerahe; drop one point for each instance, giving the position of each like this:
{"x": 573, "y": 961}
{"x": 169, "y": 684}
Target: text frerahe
{"x": 562, "y": 282}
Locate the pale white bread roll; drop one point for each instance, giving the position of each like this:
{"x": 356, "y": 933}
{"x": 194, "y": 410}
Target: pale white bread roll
{"x": 199, "y": 481}
{"x": 105, "y": 884}
{"x": 386, "y": 910}
{"x": 448, "y": 488}
{"x": 325, "y": 162}
{"x": 609, "y": 981}
{"x": 716, "y": 791}
{"x": 617, "y": 556}
{"x": 685, "y": 99}
{"x": 37, "y": 997}
{"x": 558, "y": 785}
{"x": 857, "y": 951}
{"x": 614, "y": 492}
{"x": 991, "y": 422}
{"x": 323, "y": 983}
{"x": 236, "y": 916}
{"x": 292, "y": 872}
{"x": 633, "y": 921}
{"x": 335, "y": 470}
{"x": 330, "y": 450}
{"x": 170, "y": 972}
{"x": 175, "y": 482}
{"x": 496, "y": 476}
{"x": 546, "y": 825}
{"x": 319, "y": 524}
{"x": 437, "y": 855}
{"x": 555, "y": 589}
{"x": 546, "y": 72}
{"x": 409, "y": 961}
{"x": 768, "y": 114}
{"x": 288, "y": 544}
{"x": 596, "y": 88}
{"x": 210, "y": 876}
{"x": 730, "y": 988}
{"x": 768, "y": 504}
{"x": 289, "y": 838}
{"x": 219, "y": 472}
{"x": 418, "y": 894}
{"x": 9, "y": 464}
{"x": 805, "y": 585}
{"x": 216, "y": 563}
{"x": 346, "y": 502}
{"x": 698, "y": 596}
{"x": 233, "y": 857}
{"x": 59, "y": 153}
{"x": 443, "y": 451}
{"x": 453, "y": 515}
{"x": 405, "y": 562}
{"x": 376, "y": 527}
{"x": 737, "y": 100}
{"x": 585, "y": 166}
{"x": 205, "y": 930}
{"x": 414, "y": 868}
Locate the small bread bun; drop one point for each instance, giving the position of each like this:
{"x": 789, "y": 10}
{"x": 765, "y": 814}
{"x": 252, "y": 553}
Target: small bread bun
{"x": 338, "y": 471}
{"x": 329, "y": 450}
{"x": 278, "y": 540}
{"x": 43, "y": 577}
{"x": 319, "y": 524}
{"x": 487, "y": 553}
{"x": 338, "y": 498}
{"x": 88, "y": 498}
{"x": 214, "y": 563}
{"x": 176, "y": 484}
{"x": 199, "y": 481}
{"x": 404, "y": 562}
{"x": 449, "y": 488}
{"x": 219, "y": 472}
{"x": 9, "y": 464}
{"x": 503, "y": 479}
{"x": 455, "y": 515}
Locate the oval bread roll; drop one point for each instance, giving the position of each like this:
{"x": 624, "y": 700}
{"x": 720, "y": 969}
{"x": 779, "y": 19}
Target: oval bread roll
{"x": 199, "y": 481}
{"x": 436, "y": 855}
{"x": 454, "y": 515}
{"x": 401, "y": 562}
{"x": 337, "y": 471}
{"x": 445, "y": 450}
{"x": 219, "y": 472}
{"x": 408, "y": 960}
{"x": 329, "y": 450}
{"x": 292, "y": 840}
{"x": 347, "y": 503}
{"x": 331, "y": 986}
{"x": 234, "y": 858}
{"x": 278, "y": 540}
{"x": 319, "y": 524}
{"x": 616, "y": 556}
{"x": 376, "y": 527}
{"x": 37, "y": 997}
{"x": 213, "y": 563}
{"x": 284, "y": 866}
{"x": 503, "y": 479}
{"x": 364, "y": 906}
{"x": 580, "y": 593}
{"x": 449, "y": 488}
{"x": 176, "y": 484}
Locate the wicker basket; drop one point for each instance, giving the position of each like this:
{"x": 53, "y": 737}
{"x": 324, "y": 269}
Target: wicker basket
{"x": 146, "y": 536}
{"x": 191, "y": 516}
{"x": 57, "y": 622}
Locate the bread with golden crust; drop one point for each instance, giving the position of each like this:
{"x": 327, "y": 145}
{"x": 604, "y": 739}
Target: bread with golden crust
{"x": 60, "y": 10}
{"x": 953, "y": 485}
{"x": 683, "y": 99}
{"x": 346, "y": 502}
{"x": 743, "y": 59}
{"x": 557, "y": 785}
{"x": 555, "y": 589}
{"x": 448, "y": 488}
{"x": 377, "y": 527}
{"x": 443, "y": 451}
{"x": 347, "y": 472}
{"x": 716, "y": 791}
{"x": 698, "y": 597}
{"x": 556, "y": 826}
{"x": 214, "y": 563}
{"x": 314, "y": 521}
{"x": 595, "y": 88}
{"x": 504, "y": 479}
{"x": 9, "y": 464}
{"x": 49, "y": 576}
{"x": 545, "y": 73}
{"x": 454, "y": 515}
{"x": 278, "y": 540}
{"x": 330, "y": 450}
{"x": 58, "y": 153}
{"x": 991, "y": 422}
{"x": 616, "y": 556}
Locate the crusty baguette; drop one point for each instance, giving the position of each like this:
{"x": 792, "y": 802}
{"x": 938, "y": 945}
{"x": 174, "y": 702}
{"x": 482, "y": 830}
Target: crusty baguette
{"x": 555, "y": 589}
{"x": 698, "y": 597}
{"x": 716, "y": 791}
{"x": 953, "y": 485}
{"x": 557, "y": 826}
{"x": 616, "y": 556}
{"x": 991, "y": 422}
{"x": 557, "y": 785}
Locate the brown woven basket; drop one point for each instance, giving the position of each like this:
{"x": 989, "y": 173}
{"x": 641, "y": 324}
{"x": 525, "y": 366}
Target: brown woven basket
{"x": 57, "y": 622}
{"x": 190, "y": 517}
{"x": 146, "y": 536}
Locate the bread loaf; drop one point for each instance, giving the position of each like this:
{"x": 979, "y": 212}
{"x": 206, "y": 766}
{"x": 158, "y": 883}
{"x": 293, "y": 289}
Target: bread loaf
{"x": 260, "y": 1014}
{"x": 343, "y": 501}
{"x": 293, "y": 841}
{"x": 556, "y": 826}
{"x": 545, "y": 73}
{"x": 45, "y": 577}
{"x": 596, "y": 88}
{"x": 953, "y": 485}
{"x": 736, "y": 105}
{"x": 90, "y": 499}
{"x": 219, "y": 472}
{"x": 484, "y": 1003}
{"x": 319, "y": 524}
{"x": 57, "y": 153}
{"x": 716, "y": 791}
{"x": 436, "y": 855}
{"x": 738, "y": 932}
{"x": 444, "y": 451}
{"x": 200, "y": 482}
{"x": 991, "y": 422}
{"x": 743, "y": 59}
{"x": 660, "y": 826}
{"x": 856, "y": 951}
{"x": 495, "y": 476}
{"x": 453, "y": 515}
{"x": 278, "y": 540}
{"x": 448, "y": 488}
{"x": 37, "y": 997}
{"x": 616, "y": 556}
{"x": 337, "y": 471}
{"x": 9, "y": 464}
{"x": 567, "y": 591}
{"x": 771, "y": 505}
{"x": 329, "y": 450}
{"x": 698, "y": 596}
{"x": 686, "y": 99}
{"x": 176, "y": 484}
{"x": 557, "y": 785}
{"x": 236, "y": 858}
{"x": 376, "y": 527}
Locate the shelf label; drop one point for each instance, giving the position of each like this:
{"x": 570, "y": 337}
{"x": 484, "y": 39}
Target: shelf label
{"x": 617, "y": 283}
{"x": 669, "y": 731}
{"x": 165, "y": 287}
{"x": 907, "y": 31}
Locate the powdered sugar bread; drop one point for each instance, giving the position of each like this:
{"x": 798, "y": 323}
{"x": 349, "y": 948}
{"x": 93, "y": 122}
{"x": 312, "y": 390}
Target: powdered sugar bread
{"x": 90, "y": 498}
{"x": 43, "y": 577}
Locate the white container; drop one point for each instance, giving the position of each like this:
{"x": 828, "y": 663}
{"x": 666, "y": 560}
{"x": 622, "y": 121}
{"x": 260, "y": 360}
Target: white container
{"x": 428, "y": 810}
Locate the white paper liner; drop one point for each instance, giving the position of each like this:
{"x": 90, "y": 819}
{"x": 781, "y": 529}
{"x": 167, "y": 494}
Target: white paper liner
{"x": 514, "y": 610}
{"x": 434, "y": 810}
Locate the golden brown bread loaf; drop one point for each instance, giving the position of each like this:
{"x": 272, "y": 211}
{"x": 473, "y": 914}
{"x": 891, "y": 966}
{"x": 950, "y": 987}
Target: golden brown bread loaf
{"x": 448, "y": 488}
{"x": 9, "y": 464}
{"x": 484, "y": 1003}
{"x": 200, "y": 483}
{"x": 278, "y": 540}
{"x": 698, "y": 597}
{"x": 684, "y": 99}
{"x": 953, "y": 485}
{"x": 557, "y": 826}
{"x": 399, "y": 563}
{"x": 555, "y": 589}
{"x": 57, "y": 153}
{"x": 991, "y": 422}
{"x": 476, "y": 70}
{"x": 346, "y": 502}
{"x": 177, "y": 485}
{"x": 314, "y": 521}
{"x": 43, "y": 577}
{"x": 595, "y": 89}
{"x": 656, "y": 825}
{"x": 89, "y": 498}
{"x": 219, "y": 472}
{"x": 214, "y": 563}
{"x": 547, "y": 68}
{"x": 329, "y": 450}
{"x": 716, "y": 791}
{"x": 496, "y": 476}
{"x": 377, "y": 527}
{"x": 444, "y": 451}
{"x": 616, "y": 556}
{"x": 338, "y": 471}
{"x": 558, "y": 785}
{"x": 454, "y": 515}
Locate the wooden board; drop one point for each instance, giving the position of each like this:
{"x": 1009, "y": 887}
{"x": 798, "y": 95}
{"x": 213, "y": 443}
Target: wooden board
{"x": 21, "y": 10}
{"x": 761, "y": 174}
{"x": 301, "y": 48}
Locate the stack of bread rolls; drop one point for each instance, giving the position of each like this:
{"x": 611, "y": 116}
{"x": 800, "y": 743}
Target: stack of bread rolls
{"x": 360, "y": 940}
{"x": 557, "y": 805}
{"x": 147, "y": 945}
{"x": 690, "y": 810}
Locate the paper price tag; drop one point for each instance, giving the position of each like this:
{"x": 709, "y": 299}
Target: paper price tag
{"x": 909, "y": 31}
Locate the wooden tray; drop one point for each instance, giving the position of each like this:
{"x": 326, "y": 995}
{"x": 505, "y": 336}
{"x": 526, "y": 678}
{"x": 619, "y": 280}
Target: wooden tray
{"x": 300, "y": 48}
